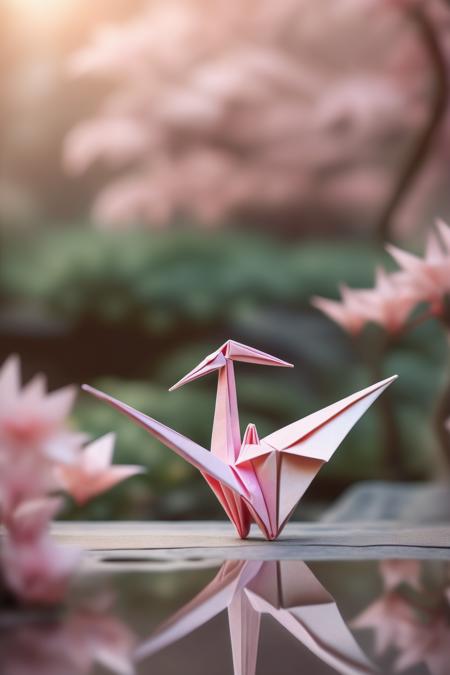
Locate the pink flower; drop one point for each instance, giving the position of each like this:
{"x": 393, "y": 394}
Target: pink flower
{"x": 397, "y": 572}
{"x": 428, "y": 277}
{"x": 418, "y": 631}
{"x": 30, "y": 520}
{"x": 23, "y": 477}
{"x": 350, "y": 313}
{"x": 35, "y": 569}
{"x": 32, "y": 420}
{"x": 33, "y": 434}
{"x": 429, "y": 643}
{"x": 92, "y": 472}
{"x": 390, "y": 302}
{"x": 39, "y": 455}
{"x": 395, "y": 295}
{"x": 391, "y": 618}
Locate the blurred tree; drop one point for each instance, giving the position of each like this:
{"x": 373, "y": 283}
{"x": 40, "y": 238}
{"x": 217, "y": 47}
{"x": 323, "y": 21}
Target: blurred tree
{"x": 268, "y": 111}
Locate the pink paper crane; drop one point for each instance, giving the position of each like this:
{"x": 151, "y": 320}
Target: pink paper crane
{"x": 257, "y": 480}
{"x": 287, "y": 591}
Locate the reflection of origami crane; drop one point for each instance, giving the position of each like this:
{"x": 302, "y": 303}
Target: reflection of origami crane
{"x": 286, "y": 590}
{"x": 260, "y": 480}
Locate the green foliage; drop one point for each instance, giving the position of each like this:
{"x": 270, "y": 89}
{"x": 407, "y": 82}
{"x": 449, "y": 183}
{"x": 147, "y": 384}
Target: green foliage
{"x": 167, "y": 278}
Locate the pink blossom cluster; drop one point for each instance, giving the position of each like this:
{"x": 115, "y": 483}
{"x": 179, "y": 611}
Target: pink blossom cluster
{"x": 394, "y": 296}
{"x": 419, "y": 633}
{"x": 228, "y": 106}
{"x": 41, "y": 456}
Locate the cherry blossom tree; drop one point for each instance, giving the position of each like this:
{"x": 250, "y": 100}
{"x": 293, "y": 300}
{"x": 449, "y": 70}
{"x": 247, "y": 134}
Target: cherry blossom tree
{"x": 218, "y": 108}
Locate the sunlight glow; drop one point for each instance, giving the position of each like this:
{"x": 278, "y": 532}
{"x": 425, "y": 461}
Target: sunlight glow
{"x": 45, "y": 11}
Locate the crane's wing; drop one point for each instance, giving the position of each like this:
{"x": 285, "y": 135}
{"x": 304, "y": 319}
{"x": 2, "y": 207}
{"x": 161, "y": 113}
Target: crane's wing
{"x": 192, "y": 452}
{"x": 318, "y": 436}
{"x": 291, "y": 457}
{"x": 212, "y": 600}
{"x": 299, "y": 603}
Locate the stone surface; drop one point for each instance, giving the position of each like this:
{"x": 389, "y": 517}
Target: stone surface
{"x": 371, "y": 521}
{"x": 126, "y": 541}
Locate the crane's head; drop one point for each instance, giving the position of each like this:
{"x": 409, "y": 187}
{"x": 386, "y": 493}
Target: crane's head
{"x": 230, "y": 351}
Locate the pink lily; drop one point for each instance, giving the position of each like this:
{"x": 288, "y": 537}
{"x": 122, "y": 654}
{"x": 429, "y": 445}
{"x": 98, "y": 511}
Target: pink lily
{"x": 31, "y": 419}
{"x": 349, "y": 312}
{"x": 419, "y": 634}
{"x": 92, "y": 472}
{"x": 390, "y": 302}
{"x": 35, "y": 569}
{"x": 397, "y": 572}
{"x": 428, "y": 277}
{"x": 428, "y": 642}
{"x": 391, "y": 618}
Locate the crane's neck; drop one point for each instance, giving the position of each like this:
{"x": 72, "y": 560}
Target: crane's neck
{"x": 226, "y": 433}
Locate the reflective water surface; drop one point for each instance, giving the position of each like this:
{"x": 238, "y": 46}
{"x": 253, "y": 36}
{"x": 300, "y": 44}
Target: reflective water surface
{"x": 241, "y": 617}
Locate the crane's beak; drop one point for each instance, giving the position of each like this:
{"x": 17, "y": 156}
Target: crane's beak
{"x": 233, "y": 351}
{"x": 213, "y": 362}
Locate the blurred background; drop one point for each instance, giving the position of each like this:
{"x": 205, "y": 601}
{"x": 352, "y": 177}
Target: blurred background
{"x": 174, "y": 173}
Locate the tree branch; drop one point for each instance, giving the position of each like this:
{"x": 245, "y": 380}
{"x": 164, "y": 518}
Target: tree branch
{"x": 423, "y": 144}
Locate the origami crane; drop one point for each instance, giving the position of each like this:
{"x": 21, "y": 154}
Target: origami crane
{"x": 256, "y": 480}
{"x": 286, "y": 590}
